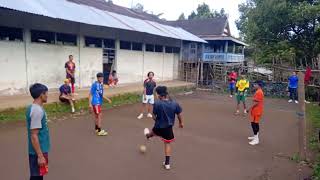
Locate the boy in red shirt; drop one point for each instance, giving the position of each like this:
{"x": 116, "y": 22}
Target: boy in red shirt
{"x": 70, "y": 72}
{"x": 256, "y": 112}
{"x": 232, "y": 82}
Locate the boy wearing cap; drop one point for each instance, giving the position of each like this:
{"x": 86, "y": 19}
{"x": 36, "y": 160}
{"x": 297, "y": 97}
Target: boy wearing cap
{"x": 164, "y": 111}
{"x": 38, "y": 132}
{"x": 256, "y": 112}
{"x": 66, "y": 95}
{"x": 95, "y": 102}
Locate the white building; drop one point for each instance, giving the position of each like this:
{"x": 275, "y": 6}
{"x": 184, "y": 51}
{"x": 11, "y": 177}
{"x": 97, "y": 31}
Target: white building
{"x": 37, "y": 36}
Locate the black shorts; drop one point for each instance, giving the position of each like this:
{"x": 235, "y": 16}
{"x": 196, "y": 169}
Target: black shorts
{"x": 165, "y": 133}
{"x": 64, "y": 100}
{"x": 72, "y": 79}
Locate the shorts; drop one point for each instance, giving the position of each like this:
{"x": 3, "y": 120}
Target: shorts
{"x": 255, "y": 118}
{"x": 165, "y": 133}
{"x": 72, "y": 79}
{"x": 33, "y": 164}
{"x": 232, "y": 86}
{"x": 96, "y": 109}
{"x": 149, "y": 99}
{"x": 241, "y": 98}
{"x": 64, "y": 100}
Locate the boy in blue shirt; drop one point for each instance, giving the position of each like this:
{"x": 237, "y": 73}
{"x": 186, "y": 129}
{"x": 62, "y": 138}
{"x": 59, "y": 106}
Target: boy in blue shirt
{"x": 38, "y": 132}
{"x": 95, "y": 103}
{"x": 293, "y": 86}
{"x": 164, "y": 111}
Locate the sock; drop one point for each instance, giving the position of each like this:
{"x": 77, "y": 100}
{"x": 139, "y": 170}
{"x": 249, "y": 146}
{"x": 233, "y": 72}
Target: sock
{"x": 167, "y": 162}
{"x": 99, "y": 129}
{"x": 96, "y": 127}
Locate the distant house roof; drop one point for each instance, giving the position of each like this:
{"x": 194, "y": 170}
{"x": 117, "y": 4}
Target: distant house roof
{"x": 212, "y": 29}
{"x": 87, "y": 14}
{"x": 203, "y": 27}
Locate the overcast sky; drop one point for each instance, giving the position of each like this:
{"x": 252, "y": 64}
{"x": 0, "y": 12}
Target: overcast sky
{"x": 173, "y": 8}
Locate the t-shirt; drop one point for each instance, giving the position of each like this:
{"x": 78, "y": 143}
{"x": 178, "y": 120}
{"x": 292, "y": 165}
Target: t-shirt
{"x": 165, "y": 111}
{"x": 37, "y": 119}
{"x": 97, "y": 93}
{"x": 242, "y": 84}
{"x": 258, "y": 97}
{"x": 149, "y": 85}
{"x": 232, "y": 77}
{"x": 65, "y": 90}
{"x": 71, "y": 66}
{"x": 293, "y": 81}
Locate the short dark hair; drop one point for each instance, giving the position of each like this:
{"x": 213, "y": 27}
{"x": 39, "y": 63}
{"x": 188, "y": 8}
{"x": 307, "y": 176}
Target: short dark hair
{"x": 99, "y": 75}
{"x": 260, "y": 83}
{"x": 70, "y": 55}
{"x": 114, "y": 71}
{"x": 150, "y": 73}
{"x": 162, "y": 91}
{"x": 37, "y": 89}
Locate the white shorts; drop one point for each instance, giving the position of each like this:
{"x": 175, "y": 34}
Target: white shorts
{"x": 148, "y": 100}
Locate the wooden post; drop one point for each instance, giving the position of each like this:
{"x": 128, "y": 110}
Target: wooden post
{"x": 201, "y": 71}
{"x": 302, "y": 118}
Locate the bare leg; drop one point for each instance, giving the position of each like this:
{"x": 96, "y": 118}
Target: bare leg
{"x": 149, "y": 107}
{"x": 167, "y": 149}
{"x": 143, "y": 108}
{"x": 244, "y": 106}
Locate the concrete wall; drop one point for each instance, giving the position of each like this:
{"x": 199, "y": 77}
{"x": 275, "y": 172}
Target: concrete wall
{"x": 13, "y": 76}
{"x": 133, "y": 66}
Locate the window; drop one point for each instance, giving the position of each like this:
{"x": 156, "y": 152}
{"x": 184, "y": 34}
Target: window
{"x": 125, "y": 45}
{"x": 43, "y": 37}
{"x": 176, "y": 50}
{"x": 11, "y": 34}
{"x": 109, "y": 43}
{"x": 193, "y": 46}
{"x": 169, "y": 49}
{"x": 66, "y": 39}
{"x": 158, "y": 48}
{"x": 137, "y": 46}
{"x": 150, "y": 47}
{"x": 93, "y": 42}
{"x": 193, "y": 51}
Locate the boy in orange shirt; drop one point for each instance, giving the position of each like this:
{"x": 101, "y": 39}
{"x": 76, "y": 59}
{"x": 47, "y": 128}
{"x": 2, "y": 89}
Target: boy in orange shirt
{"x": 256, "y": 112}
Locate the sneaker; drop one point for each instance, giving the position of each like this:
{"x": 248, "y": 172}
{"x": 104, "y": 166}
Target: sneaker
{"x": 307, "y": 102}
{"x": 102, "y": 133}
{"x": 73, "y": 110}
{"x": 237, "y": 112}
{"x": 149, "y": 115}
{"x": 146, "y": 131}
{"x": 296, "y": 101}
{"x": 140, "y": 116}
{"x": 290, "y": 101}
{"x": 245, "y": 111}
{"x": 230, "y": 96}
{"x": 166, "y": 166}
{"x": 251, "y": 138}
{"x": 255, "y": 141}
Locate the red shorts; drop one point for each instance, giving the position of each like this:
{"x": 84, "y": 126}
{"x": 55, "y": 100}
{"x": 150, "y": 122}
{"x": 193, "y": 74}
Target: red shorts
{"x": 97, "y": 109}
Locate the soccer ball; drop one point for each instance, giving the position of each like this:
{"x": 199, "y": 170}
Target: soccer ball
{"x": 143, "y": 148}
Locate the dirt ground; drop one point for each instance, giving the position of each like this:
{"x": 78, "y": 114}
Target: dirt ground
{"x": 213, "y": 145}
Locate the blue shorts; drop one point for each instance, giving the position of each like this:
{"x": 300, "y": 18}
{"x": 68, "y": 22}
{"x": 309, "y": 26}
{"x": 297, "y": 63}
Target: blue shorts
{"x": 232, "y": 86}
{"x": 33, "y": 164}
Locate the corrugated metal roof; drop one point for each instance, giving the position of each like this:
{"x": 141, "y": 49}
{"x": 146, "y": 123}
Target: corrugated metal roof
{"x": 62, "y": 9}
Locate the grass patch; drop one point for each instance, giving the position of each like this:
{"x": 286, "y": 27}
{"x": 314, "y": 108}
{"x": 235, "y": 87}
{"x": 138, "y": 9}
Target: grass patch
{"x": 55, "y": 110}
{"x": 313, "y": 117}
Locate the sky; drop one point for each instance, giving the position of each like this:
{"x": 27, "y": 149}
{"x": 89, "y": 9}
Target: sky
{"x": 173, "y": 8}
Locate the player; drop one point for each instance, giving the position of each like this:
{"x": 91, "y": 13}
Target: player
{"x": 70, "y": 72}
{"x": 232, "y": 82}
{"x": 242, "y": 87}
{"x": 95, "y": 103}
{"x": 66, "y": 95}
{"x": 148, "y": 97}
{"x": 164, "y": 115}
{"x": 256, "y": 112}
{"x": 293, "y": 86}
{"x": 38, "y": 132}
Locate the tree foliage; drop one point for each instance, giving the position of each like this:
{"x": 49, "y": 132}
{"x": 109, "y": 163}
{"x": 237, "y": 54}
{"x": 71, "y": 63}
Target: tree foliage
{"x": 203, "y": 11}
{"x": 281, "y": 28}
{"x": 182, "y": 17}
